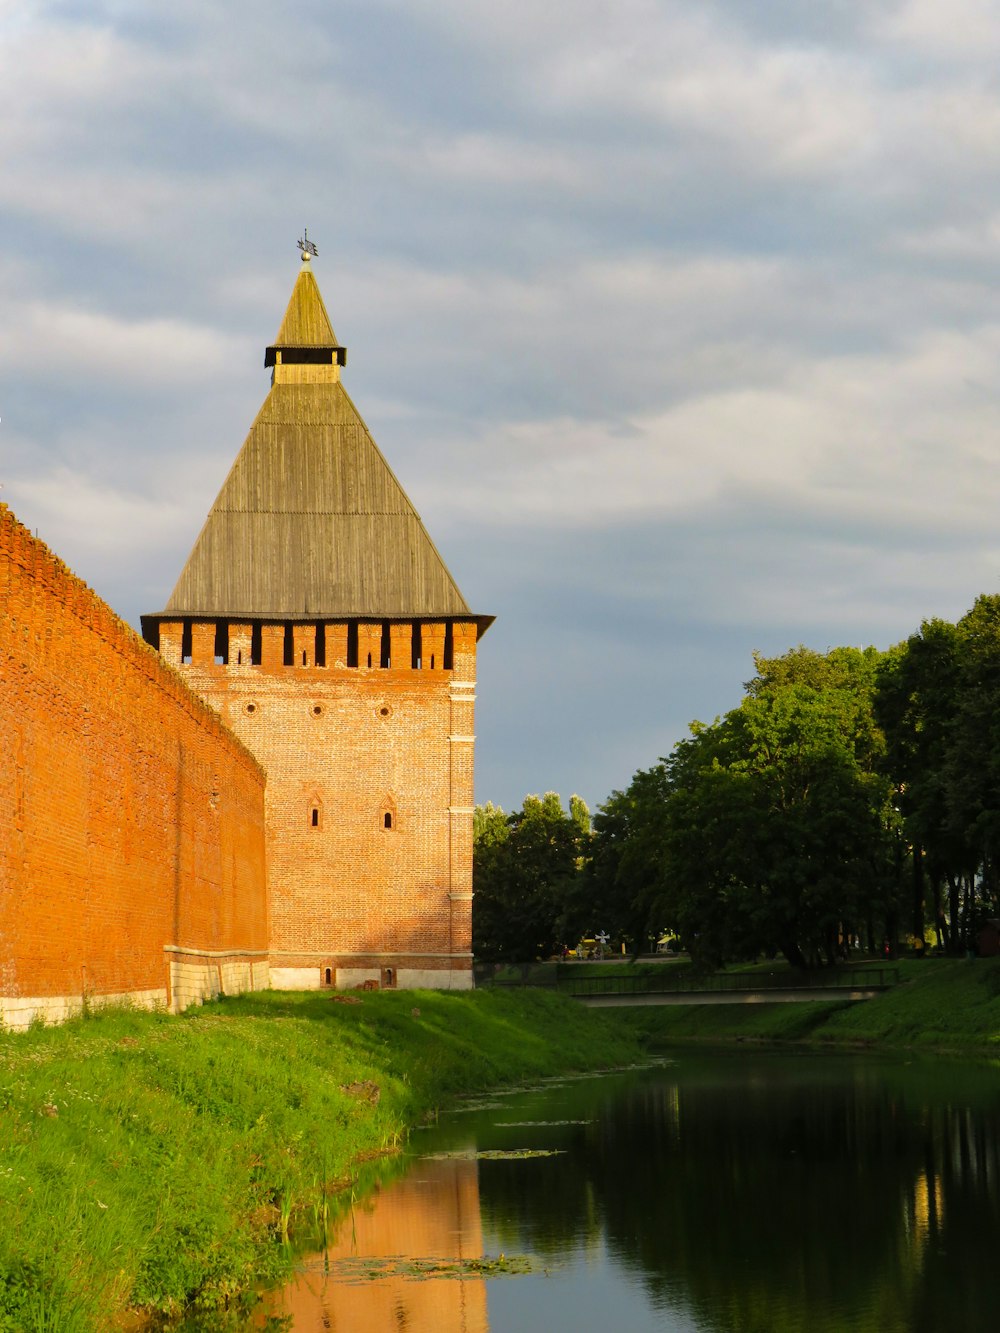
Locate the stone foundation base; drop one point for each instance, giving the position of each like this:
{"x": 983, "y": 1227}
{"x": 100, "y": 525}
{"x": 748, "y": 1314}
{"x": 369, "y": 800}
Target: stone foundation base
{"x": 377, "y": 972}
{"x": 405, "y": 978}
{"x": 296, "y": 978}
{"x": 18, "y": 1013}
{"x": 196, "y": 977}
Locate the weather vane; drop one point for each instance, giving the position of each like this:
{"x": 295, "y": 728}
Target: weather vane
{"x": 308, "y": 249}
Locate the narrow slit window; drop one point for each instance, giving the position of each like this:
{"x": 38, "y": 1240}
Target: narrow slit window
{"x": 387, "y": 819}
{"x": 415, "y": 647}
{"x": 329, "y": 976}
{"x": 386, "y": 658}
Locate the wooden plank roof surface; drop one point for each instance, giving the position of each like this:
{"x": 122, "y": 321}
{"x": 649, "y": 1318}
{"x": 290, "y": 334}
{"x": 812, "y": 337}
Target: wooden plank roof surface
{"x": 306, "y": 323}
{"x": 312, "y": 523}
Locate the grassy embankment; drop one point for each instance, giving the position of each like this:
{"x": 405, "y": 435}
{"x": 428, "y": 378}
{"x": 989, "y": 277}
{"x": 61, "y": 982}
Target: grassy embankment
{"x": 154, "y": 1163}
{"x": 151, "y": 1163}
{"x": 940, "y": 1005}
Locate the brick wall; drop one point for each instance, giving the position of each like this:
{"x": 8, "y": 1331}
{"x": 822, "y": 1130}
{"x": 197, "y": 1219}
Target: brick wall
{"x": 369, "y": 789}
{"x": 131, "y": 820}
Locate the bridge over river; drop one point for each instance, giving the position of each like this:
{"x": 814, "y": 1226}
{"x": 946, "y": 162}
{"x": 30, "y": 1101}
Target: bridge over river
{"x": 847, "y": 984}
{"x": 668, "y": 986}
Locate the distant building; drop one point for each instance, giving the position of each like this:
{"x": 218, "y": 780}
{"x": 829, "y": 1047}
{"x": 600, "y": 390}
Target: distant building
{"x": 316, "y": 616}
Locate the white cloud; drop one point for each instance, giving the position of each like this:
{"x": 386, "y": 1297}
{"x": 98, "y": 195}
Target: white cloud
{"x": 95, "y": 523}
{"x": 62, "y": 343}
{"x": 975, "y": 240}
{"x": 783, "y": 106}
{"x": 890, "y": 441}
{"x": 494, "y": 160}
{"x": 969, "y": 29}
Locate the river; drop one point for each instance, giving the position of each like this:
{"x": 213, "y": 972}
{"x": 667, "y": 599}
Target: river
{"x": 738, "y": 1192}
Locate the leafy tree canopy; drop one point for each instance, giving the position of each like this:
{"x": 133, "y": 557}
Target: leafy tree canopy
{"x": 524, "y": 868}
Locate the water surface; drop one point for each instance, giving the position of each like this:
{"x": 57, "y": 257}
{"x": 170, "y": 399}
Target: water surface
{"x": 724, "y": 1193}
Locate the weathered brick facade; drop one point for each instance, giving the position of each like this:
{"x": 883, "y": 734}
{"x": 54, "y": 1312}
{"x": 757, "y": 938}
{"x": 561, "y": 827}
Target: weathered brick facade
{"x": 369, "y": 794}
{"x": 131, "y": 821}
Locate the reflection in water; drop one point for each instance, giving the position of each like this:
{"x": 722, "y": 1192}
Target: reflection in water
{"x": 431, "y": 1214}
{"x": 742, "y": 1193}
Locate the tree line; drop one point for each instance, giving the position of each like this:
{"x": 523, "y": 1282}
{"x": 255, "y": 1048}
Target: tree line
{"x": 851, "y": 800}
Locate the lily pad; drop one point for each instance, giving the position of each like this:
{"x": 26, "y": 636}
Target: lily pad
{"x": 533, "y": 1124}
{"x": 473, "y": 1106}
{"x": 493, "y": 1154}
{"x": 422, "y": 1269}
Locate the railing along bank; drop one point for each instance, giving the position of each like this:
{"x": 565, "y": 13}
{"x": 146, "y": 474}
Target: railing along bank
{"x": 561, "y": 978}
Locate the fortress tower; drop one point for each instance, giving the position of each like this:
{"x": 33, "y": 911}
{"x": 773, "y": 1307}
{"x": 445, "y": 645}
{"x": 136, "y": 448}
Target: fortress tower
{"x": 316, "y": 616}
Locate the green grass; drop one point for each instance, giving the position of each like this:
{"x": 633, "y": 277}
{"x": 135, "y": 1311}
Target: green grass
{"x": 951, "y": 1004}
{"x": 157, "y": 1163}
{"x": 940, "y": 1004}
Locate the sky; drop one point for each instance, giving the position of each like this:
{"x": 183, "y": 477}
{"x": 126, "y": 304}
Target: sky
{"x": 677, "y": 320}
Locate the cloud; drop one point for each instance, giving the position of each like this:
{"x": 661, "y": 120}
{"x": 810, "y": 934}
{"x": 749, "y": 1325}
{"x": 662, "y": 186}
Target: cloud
{"x": 60, "y": 341}
{"x": 676, "y": 320}
{"x": 104, "y": 520}
{"x": 975, "y": 240}
{"x": 965, "y": 30}
{"x": 499, "y": 161}
{"x": 900, "y": 439}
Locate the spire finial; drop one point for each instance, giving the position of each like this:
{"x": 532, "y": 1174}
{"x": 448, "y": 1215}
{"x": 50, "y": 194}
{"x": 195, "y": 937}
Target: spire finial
{"x": 307, "y": 247}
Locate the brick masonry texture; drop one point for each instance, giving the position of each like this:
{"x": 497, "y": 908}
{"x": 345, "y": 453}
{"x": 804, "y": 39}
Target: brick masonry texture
{"x": 131, "y": 819}
{"x": 369, "y": 794}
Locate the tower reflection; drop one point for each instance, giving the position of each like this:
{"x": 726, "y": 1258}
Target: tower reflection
{"x": 396, "y": 1261}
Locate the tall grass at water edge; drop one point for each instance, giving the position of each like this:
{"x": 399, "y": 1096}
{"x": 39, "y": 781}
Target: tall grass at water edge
{"x": 154, "y": 1164}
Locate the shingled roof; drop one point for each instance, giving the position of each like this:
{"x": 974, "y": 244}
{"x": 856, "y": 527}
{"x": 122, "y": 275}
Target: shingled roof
{"x": 311, "y": 523}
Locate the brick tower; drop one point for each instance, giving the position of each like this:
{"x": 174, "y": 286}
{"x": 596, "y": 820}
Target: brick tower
{"x": 316, "y": 616}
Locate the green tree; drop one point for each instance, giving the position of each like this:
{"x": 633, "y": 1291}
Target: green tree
{"x": 771, "y": 829}
{"x": 939, "y": 703}
{"x": 622, "y": 876}
{"x": 973, "y": 762}
{"x": 916, "y": 703}
{"x": 523, "y": 877}
{"x": 827, "y": 847}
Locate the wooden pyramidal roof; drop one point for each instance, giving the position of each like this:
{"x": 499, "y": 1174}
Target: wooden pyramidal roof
{"x": 311, "y": 523}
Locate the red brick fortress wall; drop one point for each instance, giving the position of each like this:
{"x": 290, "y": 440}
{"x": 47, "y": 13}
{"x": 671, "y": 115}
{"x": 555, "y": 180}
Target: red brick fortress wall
{"x": 369, "y": 788}
{"x": 131, "y": 822}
